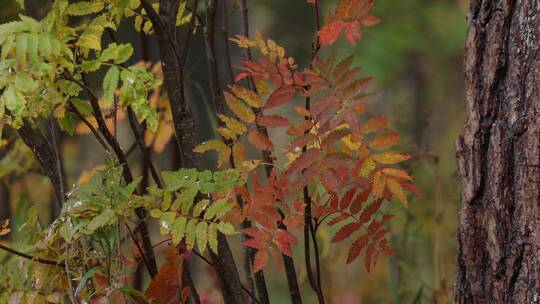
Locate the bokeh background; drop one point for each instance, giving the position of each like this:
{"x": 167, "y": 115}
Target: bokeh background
{"x": 415, "y": 56}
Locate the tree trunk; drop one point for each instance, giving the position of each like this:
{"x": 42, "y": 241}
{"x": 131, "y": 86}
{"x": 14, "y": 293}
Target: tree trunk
{"x": 499, "y": 156}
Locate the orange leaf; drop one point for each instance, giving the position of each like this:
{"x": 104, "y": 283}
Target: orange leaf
{"x": 165, "y": 286}
{"x": 374, "y": 124}
{"x": 260, "y": 141}
{"x": 385, "y": 141}
{"x": 260, "y": 260}
{"x": 397, "y": 190}
{"x": 397, "y": 173}
{"x": 370, "y": 20}
{"x": 379, "y": 184}
{"x": 273, "y": 121}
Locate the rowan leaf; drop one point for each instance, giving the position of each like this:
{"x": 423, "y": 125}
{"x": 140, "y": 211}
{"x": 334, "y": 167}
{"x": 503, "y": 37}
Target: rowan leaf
{"x": 357, "y": 247}
{"x": 346, "y": 231}
{"x": 396, "y": 189}
{"x": 347, "y": 199}
{"x": 213, "y": 238}
{"x": 110, "y": 82}
{"x": 391, "y": 158}
{"x": 260, "y": 260}
{"x": 280, "y": 97}
{"x": 330, "y": 181}
{"x": 232, "y": 124}
{"x": 223, "y": 150}
{"x": 379, "y": 184}
{"x": 260, "y": 141}
{"x": 202, "y": 236}
{"x": 239, "y": 108}
{"x": 367, "y": 167}
{"x": 178, "y": 229}
{"x": 250, "y": 97}
{"x": 397, "y": 173}
{"x": 303, "y": 161}
{"x": 273, "y": 121}
{"x": 374, "y": 124}
{"x": 385, "y": 141}
{"x": 165, "y": 286}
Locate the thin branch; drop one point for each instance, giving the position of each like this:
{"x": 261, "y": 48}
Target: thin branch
{"x": 33, "y": 258}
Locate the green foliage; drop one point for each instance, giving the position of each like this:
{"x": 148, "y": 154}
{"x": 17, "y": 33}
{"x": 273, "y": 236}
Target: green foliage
{"x": 193, "y": 204}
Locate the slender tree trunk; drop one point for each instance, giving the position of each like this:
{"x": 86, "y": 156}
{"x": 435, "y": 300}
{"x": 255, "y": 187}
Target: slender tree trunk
{"x": 499, "y": 156}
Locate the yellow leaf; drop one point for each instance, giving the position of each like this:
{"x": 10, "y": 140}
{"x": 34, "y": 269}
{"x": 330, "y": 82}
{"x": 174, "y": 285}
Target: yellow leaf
{"x": 379, "y": 184}
{"x": 250, "y": 97}
{"x": 232, "y": 124}
{"x": 385, "y": 141}
{"x": 239, "y": 108}
{"x": 367, "y": 167}
{"x": 239, "y": 154}
{"x": 224, "y": 152}
{"x": 4, "y": 227}
{"x": 89, "y": 41}
{"x": 391, "y": 158}
{"x": 397, "y": 173}
{"x": 397, "y": 190}
{"x": 226, "y": 133}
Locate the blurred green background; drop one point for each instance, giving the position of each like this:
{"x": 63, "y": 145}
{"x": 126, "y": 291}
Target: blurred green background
{"x": 415, "y": 56}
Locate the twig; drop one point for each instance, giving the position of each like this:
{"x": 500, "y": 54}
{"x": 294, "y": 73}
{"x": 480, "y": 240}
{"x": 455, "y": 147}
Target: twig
{"x": 33, "y": 258}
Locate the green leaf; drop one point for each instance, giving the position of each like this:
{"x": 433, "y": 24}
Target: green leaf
{"x": 105, "y": 218}
{"x": 90, "y": 65}
{"x": 117, "y": 53}
{"x": 89, "y": 41}
{"x": 225, "y": 228}
{"x": 218, "y": 209}
{"x": 67, "y": 123}
{"x": 13, "y": 99}
{"x": 199, "y": 207}
{"x": 21, "y": 45}
{"x": 212, "y": 238}
{"x": 202, "y": 236}
{"x": 25, "y": 83}
{"x": 110, "y": 83}
{"x": 166, "y": 221}
{"x": 84, "y": 8}
{"x": 191, "y": 233}
{"x": 178, "y": 229}
{"x": 83, "y": 106}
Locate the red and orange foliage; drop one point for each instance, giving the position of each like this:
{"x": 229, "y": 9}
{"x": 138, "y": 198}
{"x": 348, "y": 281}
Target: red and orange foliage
{"x": 339, "y": 159}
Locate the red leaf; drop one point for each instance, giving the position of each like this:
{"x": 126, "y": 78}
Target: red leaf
{"x": 357, "y": 204}
{"x": 241, "y": 76}
{"x": 256, "y": 244}
{"x": 371, "y": 257}
{"x": 370, "y": 210}
{"x": 330, "y": 31}
{"x": 330, "y": 181}
{"x": 346, "y": 231}
{"x": 280, "y": 96}
{"x": 165, "y": 285}
{"x": 260, "y": 260}
{"x": 333, "y": 137}
{"x": 256, "y": 233}
{"x": 357, "y": 247}
{"x": 304, "y": 161}
{"x": 353, "y": 31}
{"x": 386, "y": 250}
{"x": 273, "y": 121}
{"x": 301, "y": 141}
{"x": 260, "y": 141}
{"x": 306, "y": 176}
{"x": 339, "y": 219}
{"x": 347, "y": 199}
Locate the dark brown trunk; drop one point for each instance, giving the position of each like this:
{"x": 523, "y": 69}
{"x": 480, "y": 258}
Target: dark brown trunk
{"x": 499, "y": 156}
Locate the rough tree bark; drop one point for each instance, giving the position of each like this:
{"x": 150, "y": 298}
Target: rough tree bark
{"x": 499, "y": 156}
